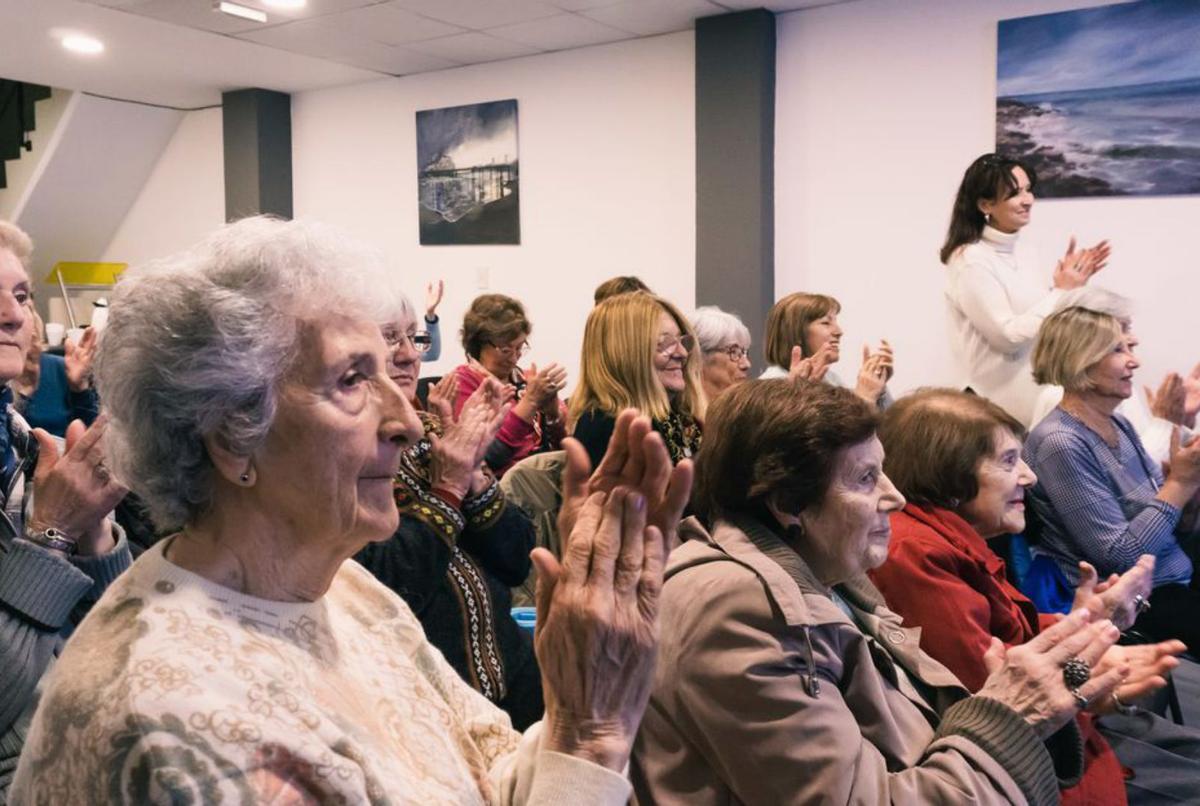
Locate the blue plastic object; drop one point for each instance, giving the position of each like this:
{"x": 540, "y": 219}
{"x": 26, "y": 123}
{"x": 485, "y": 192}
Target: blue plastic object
{"x": 526, "y": 618}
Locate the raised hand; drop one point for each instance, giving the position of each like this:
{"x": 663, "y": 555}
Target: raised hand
{"x": 636, "y": 458}
{"x": 597, "y": 627}
{"x": 75, "y": 491}
{"x": 457, "y": 455}
{"x": 433, "y": 298}
{"x": 874, "y": 374}
{"x": 1169, "y": 401}
{"x": 812, "y": 368}
{"x": 79, "y": 358}
{"x": 1077, "y": 266}
{"x": 1029, "y": 678}
{"x": 442, "y": 396}
{"x": 1117, "y": 597}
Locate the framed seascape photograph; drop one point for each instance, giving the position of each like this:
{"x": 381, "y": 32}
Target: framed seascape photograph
{"x": 1103, "y": 101}
{"x": 468, "y": 174}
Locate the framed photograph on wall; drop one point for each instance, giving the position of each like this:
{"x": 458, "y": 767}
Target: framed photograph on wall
{"x": 1103, "y": 101}
{"x": 468, "y": 174}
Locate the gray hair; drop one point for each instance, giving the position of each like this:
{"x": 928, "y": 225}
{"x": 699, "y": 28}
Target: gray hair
{"x": 1098, "y": 299}
{"x": 716, "y": 328}
{"x": 198, "y": 343}
{"x": 391, "y": 304}
{"x": 15, "y": 240}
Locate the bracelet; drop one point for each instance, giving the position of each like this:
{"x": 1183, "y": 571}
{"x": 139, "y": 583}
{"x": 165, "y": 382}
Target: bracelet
{"x": 1122, "y": 708}
{"x": 53, "y": 539}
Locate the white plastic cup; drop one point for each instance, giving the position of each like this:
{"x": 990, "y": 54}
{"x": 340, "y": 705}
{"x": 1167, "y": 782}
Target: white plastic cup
{"x": 54, "y": 333}
{"x": 75, "y": 334}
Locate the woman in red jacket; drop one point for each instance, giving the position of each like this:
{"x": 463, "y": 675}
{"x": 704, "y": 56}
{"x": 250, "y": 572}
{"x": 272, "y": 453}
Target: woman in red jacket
{"x": 956, "y": 457}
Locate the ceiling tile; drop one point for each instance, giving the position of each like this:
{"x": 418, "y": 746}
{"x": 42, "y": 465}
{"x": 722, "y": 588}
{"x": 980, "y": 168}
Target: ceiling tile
{"x": 479, "y": 14}
{"x": 116, "y": 3}
{"x": 324, "y": 40}
{"x": 648, "y": 17}
{"x": 390, "y": 24}
{"x": 474, "y": 47}
{"x": 560, "y": 32}
{"x": 777, "y": 6}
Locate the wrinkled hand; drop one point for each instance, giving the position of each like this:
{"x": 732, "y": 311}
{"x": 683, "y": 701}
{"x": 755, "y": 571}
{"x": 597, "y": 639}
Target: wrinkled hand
{"x": 597, "y": 627}
{"x": 636, "y": 458}
{"x": 1148, "y": 664}
{"x": 1184, "y": 464}
{"x": 458, "y": 453}
{"x": 1191, "y": 401}
{"x": 1077, "y": 266}
{"x": 442, "y": 396}
{"x": 1114, "y": 598}
{"x": 79, "y": 358}
{"x": 74, "y": 492}
{"x": 874, "y": 374}
{"x": 1029, "y": 678}
{"x": 812, "y": 368}
{"x": 1168, "y": 402}
{"x": 542, "y": 386}
{"x": 433, "y": 298}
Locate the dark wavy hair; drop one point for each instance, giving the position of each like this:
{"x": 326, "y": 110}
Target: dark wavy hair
{"x": 775, "y": 440}
{"x": 494, "y": 319}
{"x": 990, "y": 177}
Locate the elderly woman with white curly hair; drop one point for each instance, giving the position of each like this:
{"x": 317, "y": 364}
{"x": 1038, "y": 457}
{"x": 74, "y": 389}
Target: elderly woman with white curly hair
{"x": 725, "y": 343}
{"x": 245, "y": 658}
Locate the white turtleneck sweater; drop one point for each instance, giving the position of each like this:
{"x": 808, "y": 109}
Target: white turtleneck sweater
{"x": 995, "y": 305}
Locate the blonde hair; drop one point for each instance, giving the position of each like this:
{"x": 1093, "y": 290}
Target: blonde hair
{"x": 617, "y": 363}
{"x": 788, "y": 320}
{"x": 14, "y": 239}
{"x": 1071, "y": 342}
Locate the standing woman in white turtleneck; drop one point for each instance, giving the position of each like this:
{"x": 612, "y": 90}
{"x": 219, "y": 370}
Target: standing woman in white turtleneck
{"x": 994, "y": 304}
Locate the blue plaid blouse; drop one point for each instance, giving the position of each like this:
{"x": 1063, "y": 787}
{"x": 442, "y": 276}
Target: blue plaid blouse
{"x": 1097, "y": 503}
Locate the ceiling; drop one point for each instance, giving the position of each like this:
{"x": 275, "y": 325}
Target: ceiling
{"x": 183, "y": 53}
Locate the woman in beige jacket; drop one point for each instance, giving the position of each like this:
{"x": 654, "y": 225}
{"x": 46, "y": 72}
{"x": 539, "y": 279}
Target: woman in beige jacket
{"x": 782, "y": 678}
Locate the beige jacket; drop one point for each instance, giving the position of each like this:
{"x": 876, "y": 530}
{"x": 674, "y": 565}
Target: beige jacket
{"x": 766, "y": 692}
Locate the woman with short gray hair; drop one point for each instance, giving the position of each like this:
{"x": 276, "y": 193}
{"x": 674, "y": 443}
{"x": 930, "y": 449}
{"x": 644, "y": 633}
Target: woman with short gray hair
{"x": 244, "y": 658}
{"x": 725, "y": 345}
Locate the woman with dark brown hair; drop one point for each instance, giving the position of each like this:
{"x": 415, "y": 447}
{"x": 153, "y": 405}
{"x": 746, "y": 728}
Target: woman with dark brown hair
{"x": 995, "y": 301}
{"x": 768, "y": 616}
{"x": 495, "y": 336}
{"x": 957, "y": 459}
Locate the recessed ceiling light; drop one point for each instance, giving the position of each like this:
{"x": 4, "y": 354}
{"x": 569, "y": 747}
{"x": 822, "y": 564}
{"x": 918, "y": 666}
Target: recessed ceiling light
{"x": 288, "y": 5}
{"x": 245, "y": 12}
{"x": 82, "y": 43}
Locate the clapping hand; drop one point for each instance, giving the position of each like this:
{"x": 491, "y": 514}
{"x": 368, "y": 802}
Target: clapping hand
{"x": 1148, "y": 664}
{"x": 1118, "y": 598}
{"x": 442, "y": 396}
{"x": 457, "y": 455}
{"x": 1077, "y": 266}
{"x": 875, "y": 372}
{"x": 1169, "y": 401}
{"x": 433, "y": 298}
{"x": 79, "y": 358}
{"x": 814, "y": 367}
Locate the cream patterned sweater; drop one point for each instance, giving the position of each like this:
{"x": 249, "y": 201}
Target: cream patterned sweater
{"x": 175, "y": 689}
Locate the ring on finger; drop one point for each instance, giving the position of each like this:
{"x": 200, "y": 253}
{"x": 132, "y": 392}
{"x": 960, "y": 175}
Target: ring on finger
{"x": 1123, "y": 708}
{"x": 1140, "y": 605}
{"x": 1080, "y": 701}
{"x": 1076, "y": 672}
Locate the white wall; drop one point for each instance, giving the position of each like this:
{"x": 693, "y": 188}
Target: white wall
{"x": 184, "y": 198}
{"x": 881, "y": 105}
{"x": 607, "y": 149}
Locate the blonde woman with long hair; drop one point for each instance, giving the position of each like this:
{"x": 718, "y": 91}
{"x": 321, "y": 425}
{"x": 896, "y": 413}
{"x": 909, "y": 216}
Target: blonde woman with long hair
{"x": 639, "y": 352}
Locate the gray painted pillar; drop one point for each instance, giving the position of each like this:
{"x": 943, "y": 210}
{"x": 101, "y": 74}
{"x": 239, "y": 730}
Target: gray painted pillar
{"x": 735, "y": 166}
{"x": 257, "y": 128}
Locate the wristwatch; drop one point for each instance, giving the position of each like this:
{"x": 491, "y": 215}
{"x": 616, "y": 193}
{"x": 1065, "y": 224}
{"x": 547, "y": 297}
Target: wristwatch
{"x": 52, "y": 539}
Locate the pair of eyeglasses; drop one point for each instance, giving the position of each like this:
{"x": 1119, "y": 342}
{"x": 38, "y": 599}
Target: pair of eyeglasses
{"x": 736, "y": 352}
{"x": 667, "y": 346}
{"x": 421, "y": 341}
{"x": 509, "y": 352}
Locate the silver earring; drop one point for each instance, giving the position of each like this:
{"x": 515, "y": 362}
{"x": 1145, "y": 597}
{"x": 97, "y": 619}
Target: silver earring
{"x": 245, "y": 478}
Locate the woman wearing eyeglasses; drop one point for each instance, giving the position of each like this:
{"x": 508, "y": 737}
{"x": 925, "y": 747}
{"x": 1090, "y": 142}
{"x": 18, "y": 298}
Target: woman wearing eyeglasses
{"x": 639, "y": 352}
{"x": 995, "y": 300}
{"x": 804, "y": 338}
{"x": 725, "y": 344}
{"x": 495, "y": 336}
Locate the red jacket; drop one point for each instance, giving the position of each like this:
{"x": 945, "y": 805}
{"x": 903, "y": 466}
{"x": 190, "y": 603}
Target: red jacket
{"x": 941, "y": 576}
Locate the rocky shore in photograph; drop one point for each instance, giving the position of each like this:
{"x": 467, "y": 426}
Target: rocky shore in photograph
{"x": 1056, "y": 174}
